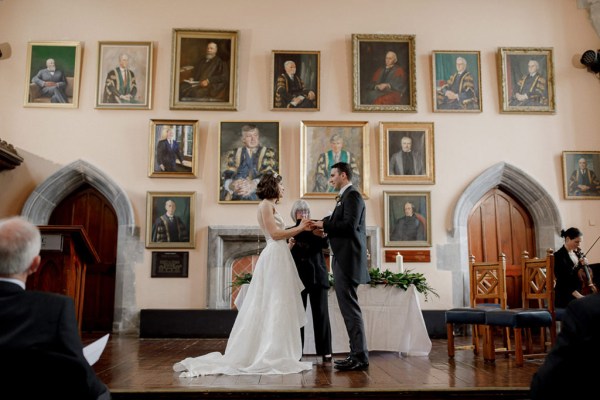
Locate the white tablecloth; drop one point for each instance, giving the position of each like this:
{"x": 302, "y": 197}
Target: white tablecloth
{"x": 392, "y": 316}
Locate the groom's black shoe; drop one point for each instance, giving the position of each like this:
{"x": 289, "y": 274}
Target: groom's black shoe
{"x": 352, "y": 365}
{"x": 344, "y": 361}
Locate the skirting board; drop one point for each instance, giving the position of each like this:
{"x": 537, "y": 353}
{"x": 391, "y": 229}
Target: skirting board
{"x": 156, "y": 323}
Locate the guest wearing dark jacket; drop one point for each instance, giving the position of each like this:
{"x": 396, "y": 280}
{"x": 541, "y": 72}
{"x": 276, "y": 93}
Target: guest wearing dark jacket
{"x": 40, "y": 349}
{"x": 572, "y": 362}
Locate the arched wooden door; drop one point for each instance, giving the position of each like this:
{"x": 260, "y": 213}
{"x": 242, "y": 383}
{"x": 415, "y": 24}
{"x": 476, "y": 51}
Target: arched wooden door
{"x": 88, "y": 208}
{"x": 500, "y": 224}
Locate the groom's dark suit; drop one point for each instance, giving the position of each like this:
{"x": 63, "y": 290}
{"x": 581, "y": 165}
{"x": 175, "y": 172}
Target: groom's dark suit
{"x": 41, "y": 352}
{"x": 347, "y": 234}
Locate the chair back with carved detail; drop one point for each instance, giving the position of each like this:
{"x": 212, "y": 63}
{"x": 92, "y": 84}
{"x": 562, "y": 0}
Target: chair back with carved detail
{"x": 538, "y": 286}
{"x": 536, "y": 312}
{"x": 487, "y": 289}
{"x": 488, "y": 282}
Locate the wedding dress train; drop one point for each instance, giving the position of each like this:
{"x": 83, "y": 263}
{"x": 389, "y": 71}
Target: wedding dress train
{"x": 265, "y": 338}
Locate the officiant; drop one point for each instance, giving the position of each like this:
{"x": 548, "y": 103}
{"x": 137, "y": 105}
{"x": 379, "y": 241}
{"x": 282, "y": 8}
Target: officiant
{"x": 307, "y": 251}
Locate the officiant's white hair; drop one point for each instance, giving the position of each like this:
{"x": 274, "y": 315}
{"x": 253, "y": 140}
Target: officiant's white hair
{"x": 20, "y": 242}
{"x": 299, "y": 205}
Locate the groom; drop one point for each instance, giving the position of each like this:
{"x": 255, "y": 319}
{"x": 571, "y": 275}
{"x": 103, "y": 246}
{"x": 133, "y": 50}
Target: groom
{"x": 347, "y": 234}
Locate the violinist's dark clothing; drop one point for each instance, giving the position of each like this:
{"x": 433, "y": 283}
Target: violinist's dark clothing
{"x": 573, "y": 361}
{"x": 567, "y": 279}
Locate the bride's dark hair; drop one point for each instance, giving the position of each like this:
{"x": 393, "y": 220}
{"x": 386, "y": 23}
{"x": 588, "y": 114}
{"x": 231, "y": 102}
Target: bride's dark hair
{"x": 268, "y": 187}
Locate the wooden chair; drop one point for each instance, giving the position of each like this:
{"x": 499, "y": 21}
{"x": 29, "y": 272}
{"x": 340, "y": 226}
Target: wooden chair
{"x": 537, "y": 310}
{"x": 487, "y": 284}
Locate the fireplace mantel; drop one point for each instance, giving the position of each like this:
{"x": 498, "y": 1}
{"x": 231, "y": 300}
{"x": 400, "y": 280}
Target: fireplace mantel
{"x": 228, "y": 243}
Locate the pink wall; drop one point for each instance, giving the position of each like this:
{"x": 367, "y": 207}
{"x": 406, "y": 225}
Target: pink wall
{"x": 116, "y": 141}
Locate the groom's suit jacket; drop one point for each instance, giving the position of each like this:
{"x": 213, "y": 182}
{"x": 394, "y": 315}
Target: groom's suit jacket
{"x": 347, "y": 232}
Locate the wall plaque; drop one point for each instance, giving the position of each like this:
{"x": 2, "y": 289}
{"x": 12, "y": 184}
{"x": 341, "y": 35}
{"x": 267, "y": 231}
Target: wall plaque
{"x": 169, "y": 264}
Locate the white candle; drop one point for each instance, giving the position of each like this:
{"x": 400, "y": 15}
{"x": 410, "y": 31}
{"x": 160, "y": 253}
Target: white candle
{"x": 399, "y": 263}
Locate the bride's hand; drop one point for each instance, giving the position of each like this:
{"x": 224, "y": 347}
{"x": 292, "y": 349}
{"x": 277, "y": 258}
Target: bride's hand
{"x": 306, "y": 224}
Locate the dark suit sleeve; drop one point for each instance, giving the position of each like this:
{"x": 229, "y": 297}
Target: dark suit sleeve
{"x": 68, "y": 334}
{"x": 577, "y": 344}
{"x": 160, "y": 152}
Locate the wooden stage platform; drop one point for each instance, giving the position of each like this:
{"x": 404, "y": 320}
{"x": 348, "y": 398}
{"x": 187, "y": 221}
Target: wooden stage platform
{"x": 135, "y": 368}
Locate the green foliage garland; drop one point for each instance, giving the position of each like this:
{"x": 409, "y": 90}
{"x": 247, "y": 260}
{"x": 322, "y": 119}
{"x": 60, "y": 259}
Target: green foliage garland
{"x": 401, "y": 280}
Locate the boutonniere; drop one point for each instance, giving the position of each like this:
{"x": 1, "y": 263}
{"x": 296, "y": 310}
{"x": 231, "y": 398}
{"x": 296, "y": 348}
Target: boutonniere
{"x": 337, "y": 201}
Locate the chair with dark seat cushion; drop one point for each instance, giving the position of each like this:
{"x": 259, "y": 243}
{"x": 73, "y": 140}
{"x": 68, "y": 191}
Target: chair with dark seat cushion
{"x": 487, "y": 290}
{"x": 537, "y": 310}
{"x": 518, "y": 320}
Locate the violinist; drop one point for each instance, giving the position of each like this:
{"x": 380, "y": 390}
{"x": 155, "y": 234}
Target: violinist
{"x": 570, "y": 268}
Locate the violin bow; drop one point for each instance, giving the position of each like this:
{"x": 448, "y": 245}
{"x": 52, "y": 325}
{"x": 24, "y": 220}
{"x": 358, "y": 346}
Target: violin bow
{"x": 595, "y": 241}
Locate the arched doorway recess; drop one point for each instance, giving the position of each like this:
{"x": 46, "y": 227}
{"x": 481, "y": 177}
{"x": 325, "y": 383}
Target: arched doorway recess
{"x": 453, "y": 256}
{"x": 55, "y": 188}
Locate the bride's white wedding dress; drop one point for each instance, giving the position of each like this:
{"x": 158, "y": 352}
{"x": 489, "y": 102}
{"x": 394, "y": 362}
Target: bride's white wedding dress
{"x": 265, "y": 338}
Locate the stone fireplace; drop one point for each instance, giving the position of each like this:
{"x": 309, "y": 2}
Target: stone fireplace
{"x": 226, "y": 244}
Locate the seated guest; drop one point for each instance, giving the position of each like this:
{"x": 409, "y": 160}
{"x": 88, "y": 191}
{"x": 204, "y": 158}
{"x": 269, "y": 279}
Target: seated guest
{"x": 571, "y": 360}
{"x": 40, "y": 349}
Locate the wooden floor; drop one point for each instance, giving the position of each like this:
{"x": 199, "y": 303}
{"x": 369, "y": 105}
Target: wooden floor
{"x": 136, "y": 368}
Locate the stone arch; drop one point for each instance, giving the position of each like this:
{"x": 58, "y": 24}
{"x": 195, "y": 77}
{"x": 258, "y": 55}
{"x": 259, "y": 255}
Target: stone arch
{"x": 47, "y": 195}
{"x": 546, "y": 218}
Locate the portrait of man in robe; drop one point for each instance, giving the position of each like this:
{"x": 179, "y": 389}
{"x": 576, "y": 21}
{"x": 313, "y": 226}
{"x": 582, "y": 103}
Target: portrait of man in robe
{"x": 384, "y": 73}
{"x": 204, "y": 68}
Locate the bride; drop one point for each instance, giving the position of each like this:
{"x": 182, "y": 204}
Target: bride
{"x": 265, "y": 338}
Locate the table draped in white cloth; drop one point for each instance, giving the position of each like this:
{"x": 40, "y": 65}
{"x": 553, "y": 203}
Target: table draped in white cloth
{"x": 392, "y": 316}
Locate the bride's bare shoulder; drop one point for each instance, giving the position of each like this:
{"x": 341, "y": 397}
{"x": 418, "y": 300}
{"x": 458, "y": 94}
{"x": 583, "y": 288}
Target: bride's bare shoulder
{"x": 266, "y": 203}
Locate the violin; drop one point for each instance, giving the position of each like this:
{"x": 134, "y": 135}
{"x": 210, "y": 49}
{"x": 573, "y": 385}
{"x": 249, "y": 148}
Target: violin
{"x": 584, "y": 273}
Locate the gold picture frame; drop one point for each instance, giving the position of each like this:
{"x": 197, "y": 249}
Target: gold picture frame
{"x": 177, "y": 159}
{"x": 124, "y": 79}
{"x": 321, "y": 142}
{"x": 580, "y": 175}
{"x": 158, "y": 207}
{"x": 456, "y": 81}
{"x": 198, "y": 84}
{"x": 407, "y": 219}
{"x": 49, "y": 88}
{"x": 375, "y": 89}
{"x": 406, "y": 153}
{"x": 300, "y": 89}
{"x": 263, "y": 138}
{"x": 526, "y": 80}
